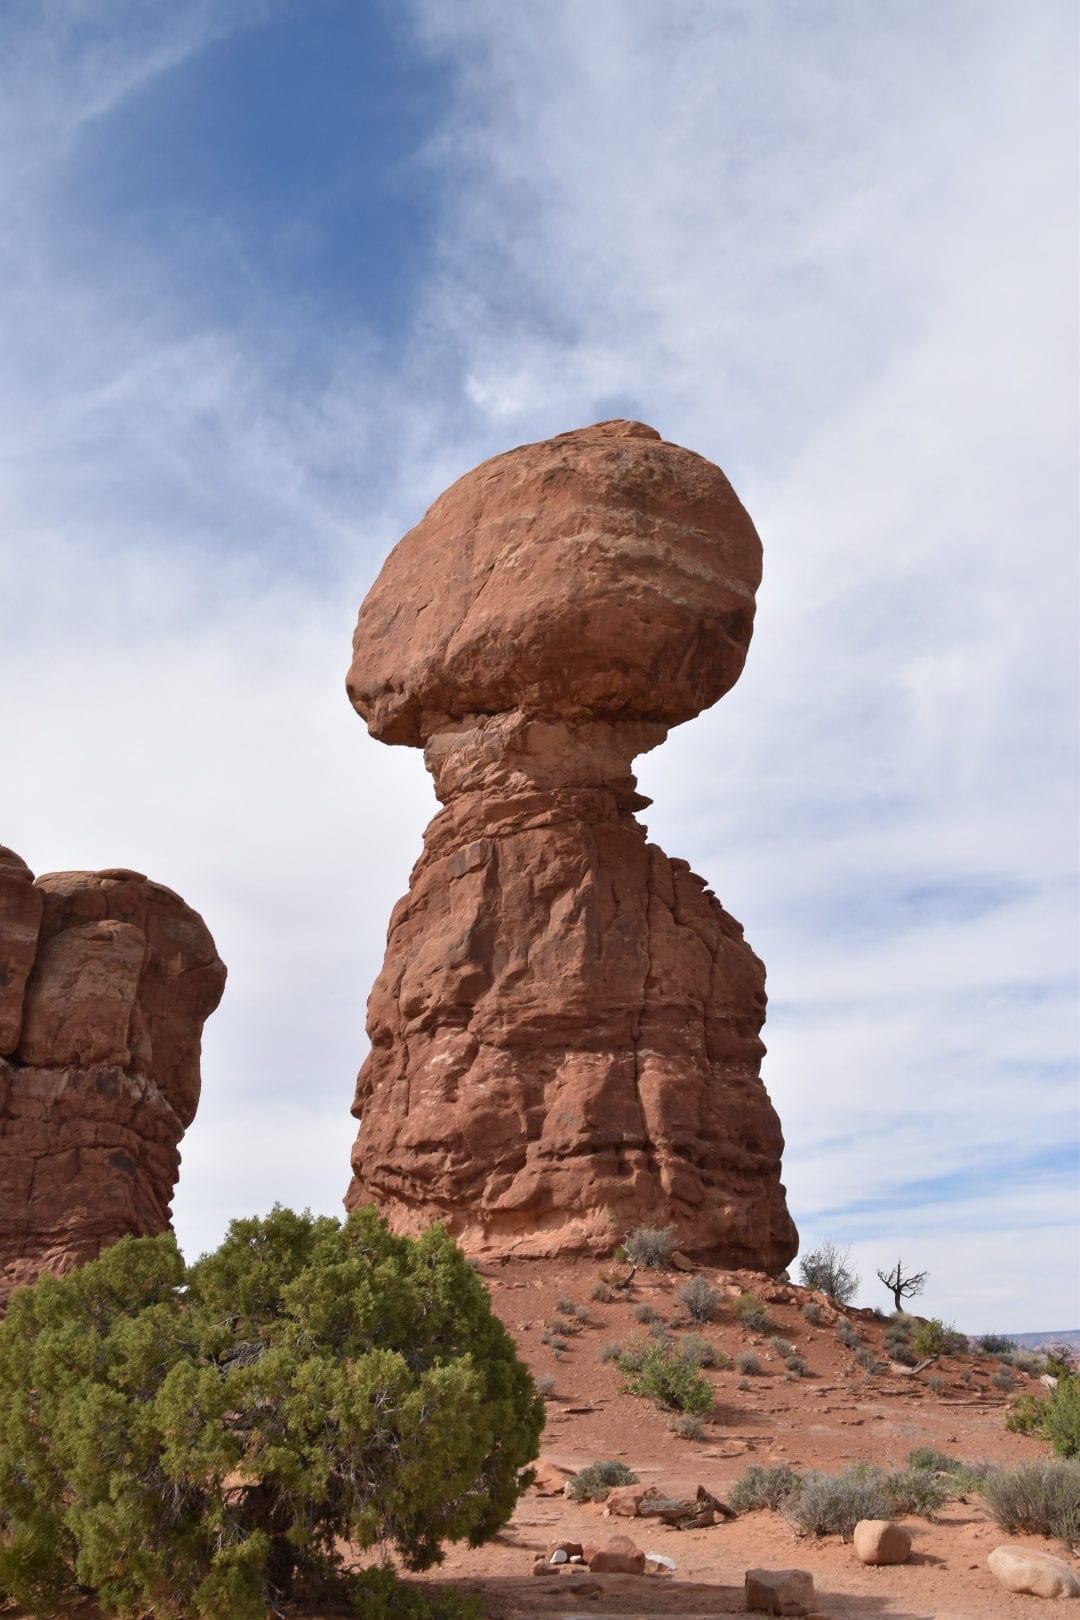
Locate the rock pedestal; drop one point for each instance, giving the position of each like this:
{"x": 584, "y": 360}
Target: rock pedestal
{"x": 106, "y": 979}
{"x": 565, "y": 1032}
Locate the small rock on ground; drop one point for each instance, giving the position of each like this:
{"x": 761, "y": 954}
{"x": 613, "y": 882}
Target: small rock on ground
{"x": 1022, "y": 1569}
{"x": 780, "y": 1591}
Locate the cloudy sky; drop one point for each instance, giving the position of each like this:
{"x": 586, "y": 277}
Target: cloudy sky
{"x": 275, "y": 271}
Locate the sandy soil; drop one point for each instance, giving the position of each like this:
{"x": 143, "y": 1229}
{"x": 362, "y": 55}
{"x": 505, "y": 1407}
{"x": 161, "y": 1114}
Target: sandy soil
{"x": 835, "y": 1415}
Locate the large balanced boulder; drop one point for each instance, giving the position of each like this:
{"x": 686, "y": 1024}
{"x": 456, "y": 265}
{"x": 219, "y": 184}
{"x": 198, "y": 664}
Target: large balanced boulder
{"x": 106, "y": 979}
{"x": 565, "y": 1034}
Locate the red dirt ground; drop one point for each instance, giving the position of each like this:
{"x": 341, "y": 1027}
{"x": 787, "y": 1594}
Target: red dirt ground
{"x": 835, "y": 1415}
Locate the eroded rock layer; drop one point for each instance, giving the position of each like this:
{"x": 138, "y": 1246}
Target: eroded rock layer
{"x": 565, "y": 1032}
{"x": 106, "y": 980}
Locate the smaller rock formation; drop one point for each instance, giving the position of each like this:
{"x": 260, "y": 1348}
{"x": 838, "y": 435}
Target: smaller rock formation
{"x": 106, "y": 979}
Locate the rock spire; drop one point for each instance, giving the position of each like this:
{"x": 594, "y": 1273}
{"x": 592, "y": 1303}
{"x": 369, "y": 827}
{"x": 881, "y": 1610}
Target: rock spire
{"x": 565, "y": 1031}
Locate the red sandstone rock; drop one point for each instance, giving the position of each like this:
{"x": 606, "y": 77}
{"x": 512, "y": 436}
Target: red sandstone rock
{"x": 616, "y": 1556}
{"x": 103, "y": 1079}
{"x": 624, "y": 1502}
{"x": 565, "y": 1029}
{"x": 880, "y": 1541}
{"x": 20, "y": 919}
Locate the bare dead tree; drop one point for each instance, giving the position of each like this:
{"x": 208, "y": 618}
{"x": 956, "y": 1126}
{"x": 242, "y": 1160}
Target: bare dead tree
{"x": 901, "y": 1287}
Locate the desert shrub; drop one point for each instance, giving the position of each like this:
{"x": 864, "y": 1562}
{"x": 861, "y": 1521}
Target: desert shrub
{"x": 752, "y": 1315}
{"x": 847, "y": 1334}
{"x": 659, "y": 1334}
{"x": 688, "y": 1426}
{"x": 596, "y": 1481}
{"x": 650, "y": 1245}
{"x": 699, "y": 1297}
{"x": 863, "y": 1356}
{"x": 1002, "y": 1378}
{"x": 1026, "y": 1361}
{"x": 545, "y": 1383}
{"x": 581, "y": 1312}
{"x": 1025, "y": 1415}
{"x": 602, "y": 1292}
{"x": 701, "y": 1352}
{"x": 646, "y": 1313}
{"x": 936, "y": 1338}
{"x": 659, "y": 1373}
{"x": 828, "y": 1270}
{"x": 833, "y": 1504}
{"x": 611, "y": 1350}
{"x": 1061, "y": 1419}
{"x": 933, "y": 1461}
{"x": 554, "y": 1340}
{"x": 378, "y": 1595}
{"x": 936, "y": 1384}
{"x": 795, "y": 1364}
{"x": 1060, "y": 1361}
{"x": 897, "y": 1345}
{"x": 743, "y": 1383}
{"x": 1040, "y": 1498}
{"x": 995, "y": 1344}
{"x": 763, "y": 1487}
{"x": 813, "y": 1313}
{"x": 747, "y": 1362}
{"x": 349, "y": 1385}
{"x": 915, "y": 1490}
{"x": 566, "y": 1307}
{"x": 781, "y": 1346}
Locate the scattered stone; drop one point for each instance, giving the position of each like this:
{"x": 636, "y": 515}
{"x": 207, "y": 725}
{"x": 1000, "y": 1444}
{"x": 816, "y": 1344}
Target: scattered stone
{"x": 624, "y": 1502}
{"x": 616, "y": 1556}
{"x": 780, "y": 1591}
{"x": 1022, "y": 1569}
{"x": 681, "y": 1262}
{"x": 1048, "y": 1381}
{"x": 561, "y": 1552}
{"x": 881, "y": 1541}
{"x": 551, "y": 1480}
{"x": 659, "y": 1561}
{"x": 541, "y": 1078}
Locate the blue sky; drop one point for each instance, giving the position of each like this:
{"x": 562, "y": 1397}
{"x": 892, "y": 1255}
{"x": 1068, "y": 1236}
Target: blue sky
{"x": 276, "y": 272}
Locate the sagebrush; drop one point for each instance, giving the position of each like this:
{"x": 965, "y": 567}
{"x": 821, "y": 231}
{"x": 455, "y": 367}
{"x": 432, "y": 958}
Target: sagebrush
{"x": 660, "y": 1373}
{"x": 596, "y": 1481}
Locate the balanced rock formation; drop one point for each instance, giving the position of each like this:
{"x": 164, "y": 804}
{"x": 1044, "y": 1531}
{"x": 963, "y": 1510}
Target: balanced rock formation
{"x": 565, "y": 1031}
{"x": 106, "y": 980}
